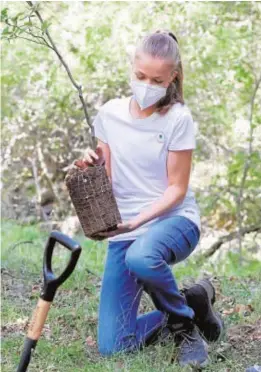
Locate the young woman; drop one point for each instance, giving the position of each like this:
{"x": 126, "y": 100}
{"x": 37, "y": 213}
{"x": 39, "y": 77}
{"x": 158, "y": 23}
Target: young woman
{"x": 146, "y": 141}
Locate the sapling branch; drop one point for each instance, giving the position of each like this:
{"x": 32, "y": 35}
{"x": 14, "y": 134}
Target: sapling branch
{"x": 77, "y": 86}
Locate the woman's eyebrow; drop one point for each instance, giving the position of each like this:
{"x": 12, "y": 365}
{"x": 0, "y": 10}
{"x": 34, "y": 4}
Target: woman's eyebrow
{"x": 155, "y": 77}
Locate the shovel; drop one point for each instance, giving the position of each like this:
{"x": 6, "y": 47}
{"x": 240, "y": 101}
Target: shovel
{"x": 51, "y": 283}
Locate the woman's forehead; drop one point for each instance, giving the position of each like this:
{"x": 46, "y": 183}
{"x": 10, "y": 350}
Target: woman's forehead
{"x": 149, "y": 65}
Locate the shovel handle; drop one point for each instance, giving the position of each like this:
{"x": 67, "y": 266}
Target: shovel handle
{"x": 51, "y": 282}
{"x": 34, "y": 332}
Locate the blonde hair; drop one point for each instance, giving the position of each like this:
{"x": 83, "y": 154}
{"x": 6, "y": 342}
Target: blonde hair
{"x": 164, "y": 44}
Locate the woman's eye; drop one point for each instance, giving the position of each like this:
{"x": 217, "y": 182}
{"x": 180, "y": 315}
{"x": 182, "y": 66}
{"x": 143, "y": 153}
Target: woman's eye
{"x": 142, "y": 77}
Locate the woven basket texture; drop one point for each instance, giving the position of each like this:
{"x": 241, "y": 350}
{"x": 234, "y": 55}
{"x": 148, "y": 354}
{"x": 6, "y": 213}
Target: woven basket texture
{"x": 92, "y": 197}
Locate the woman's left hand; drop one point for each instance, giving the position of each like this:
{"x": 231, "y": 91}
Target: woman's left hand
{"x": 121, "y": 228}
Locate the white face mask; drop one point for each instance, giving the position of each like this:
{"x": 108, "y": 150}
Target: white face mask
{"x": 146, "y": 94}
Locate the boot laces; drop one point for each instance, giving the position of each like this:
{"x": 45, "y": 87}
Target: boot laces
{"x": 186, "y": 338}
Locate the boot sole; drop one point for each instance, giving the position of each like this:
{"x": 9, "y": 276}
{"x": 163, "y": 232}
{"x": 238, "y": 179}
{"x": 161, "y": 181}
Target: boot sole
{"x": 207, "y": 321}
{"x": 195, "y": 364}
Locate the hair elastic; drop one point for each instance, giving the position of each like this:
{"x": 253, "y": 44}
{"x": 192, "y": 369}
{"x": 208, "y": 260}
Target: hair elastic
{"x": 169, "y": 34}
{"x": 173, "y": 36}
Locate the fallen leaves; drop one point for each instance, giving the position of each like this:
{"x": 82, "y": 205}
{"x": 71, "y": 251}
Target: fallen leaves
{"x": 16, "y": 327}
{"x": 241, "y": 309}
{"x": 91, "y": 350}
{"x": 90, "y": 341}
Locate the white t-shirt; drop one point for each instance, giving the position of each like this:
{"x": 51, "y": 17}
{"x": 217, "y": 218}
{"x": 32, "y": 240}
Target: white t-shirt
{"x": 139, "y": 149}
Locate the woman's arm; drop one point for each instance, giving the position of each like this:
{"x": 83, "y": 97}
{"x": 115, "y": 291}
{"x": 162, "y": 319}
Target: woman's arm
{"x": 178, "y": 168}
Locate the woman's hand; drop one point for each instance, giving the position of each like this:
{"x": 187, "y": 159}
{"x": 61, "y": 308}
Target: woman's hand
{"x": 90, "y": 157}
{"x": 121, "y": 228}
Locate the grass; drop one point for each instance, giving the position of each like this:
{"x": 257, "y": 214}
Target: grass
{"x": 73, "y": 314}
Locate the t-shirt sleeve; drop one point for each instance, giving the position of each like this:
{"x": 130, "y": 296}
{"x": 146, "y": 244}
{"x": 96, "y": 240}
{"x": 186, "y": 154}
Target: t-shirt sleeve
{"x": 184, "y": 134}
{"x": 98, "y": 124}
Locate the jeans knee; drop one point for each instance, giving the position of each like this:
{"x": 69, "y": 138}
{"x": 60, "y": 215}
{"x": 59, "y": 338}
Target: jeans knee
{"x": 106, "y": 350}
{"x": 126, "y": 344}
{"x": 105, "y": 342}
{"x": 106, "y": 346}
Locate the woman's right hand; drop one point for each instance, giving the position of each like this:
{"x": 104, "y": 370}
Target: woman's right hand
{"x": 90, "y": 157}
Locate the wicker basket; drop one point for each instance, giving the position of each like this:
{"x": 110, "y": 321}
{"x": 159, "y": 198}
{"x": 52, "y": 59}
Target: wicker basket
{"x": 91, "y": 194}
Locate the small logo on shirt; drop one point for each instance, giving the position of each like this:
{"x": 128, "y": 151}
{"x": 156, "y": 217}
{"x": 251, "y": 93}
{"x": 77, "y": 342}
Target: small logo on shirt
{"x": 189, "y": 211}
{"x": 160, "y": 137}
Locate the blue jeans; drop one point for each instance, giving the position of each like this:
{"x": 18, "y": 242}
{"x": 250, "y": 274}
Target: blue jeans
{"x": 133, "y": 265}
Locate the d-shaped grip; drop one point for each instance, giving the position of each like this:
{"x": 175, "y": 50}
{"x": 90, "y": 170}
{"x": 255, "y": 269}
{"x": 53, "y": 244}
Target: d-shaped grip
{"x": 51, "y": 283}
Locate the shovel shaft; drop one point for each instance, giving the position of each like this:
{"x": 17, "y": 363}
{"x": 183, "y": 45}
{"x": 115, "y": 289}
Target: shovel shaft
{"x": 38, "y": 319}
{"x": 34, "y": 332}
{"x": 29, "y": 346}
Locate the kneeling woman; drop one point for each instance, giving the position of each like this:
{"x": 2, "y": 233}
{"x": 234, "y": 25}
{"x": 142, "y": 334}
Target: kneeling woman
{"x": 147, "y": 141}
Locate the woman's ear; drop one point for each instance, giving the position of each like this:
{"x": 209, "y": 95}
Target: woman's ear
{"x": 173, "y": 77}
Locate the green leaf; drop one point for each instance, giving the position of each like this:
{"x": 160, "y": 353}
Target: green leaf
{"x": 16, "y": 17}
{"x": 45, "y": 25}
{"x": 4, "y": 14}
{"x": 29, "y": 23}
{"x": 5, "y": 31}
